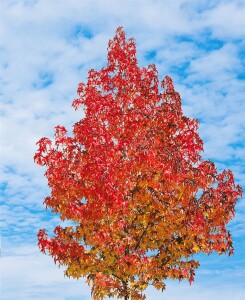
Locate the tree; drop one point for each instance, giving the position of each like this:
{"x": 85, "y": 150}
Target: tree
{"x": 132, "y": 181}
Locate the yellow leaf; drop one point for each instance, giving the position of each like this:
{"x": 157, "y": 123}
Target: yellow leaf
{"x": 196, "y": 248}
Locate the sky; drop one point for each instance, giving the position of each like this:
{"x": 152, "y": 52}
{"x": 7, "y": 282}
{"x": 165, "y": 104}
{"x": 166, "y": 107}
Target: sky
{"x": 46, "y": 48}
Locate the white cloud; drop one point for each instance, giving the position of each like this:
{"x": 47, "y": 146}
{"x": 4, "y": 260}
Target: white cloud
{"x": 215, "y": 66}
{"x": 227, "y": 20}
{"x": 36, "y": 277}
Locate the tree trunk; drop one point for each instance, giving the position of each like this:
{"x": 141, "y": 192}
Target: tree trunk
{"x": 126, "y": 289}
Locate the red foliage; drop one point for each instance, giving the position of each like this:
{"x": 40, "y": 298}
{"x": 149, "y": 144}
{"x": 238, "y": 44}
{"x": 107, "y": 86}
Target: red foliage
{"x": 132, "y": 180}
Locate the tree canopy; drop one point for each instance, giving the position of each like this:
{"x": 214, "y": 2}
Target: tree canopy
{"x": 132, "y": 180}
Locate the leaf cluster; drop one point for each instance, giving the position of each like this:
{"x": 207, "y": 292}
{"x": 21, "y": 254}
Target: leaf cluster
{"x": 132, "y": 180}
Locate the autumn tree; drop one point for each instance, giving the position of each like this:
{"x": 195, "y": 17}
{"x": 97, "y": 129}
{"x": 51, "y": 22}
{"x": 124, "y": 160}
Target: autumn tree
{"x": 132, "y": 181}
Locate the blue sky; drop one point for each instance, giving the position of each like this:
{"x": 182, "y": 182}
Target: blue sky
{"x": 46, "y": 49}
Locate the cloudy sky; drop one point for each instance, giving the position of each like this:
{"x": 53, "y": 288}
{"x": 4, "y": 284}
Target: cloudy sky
{"x": 46, "y": 49}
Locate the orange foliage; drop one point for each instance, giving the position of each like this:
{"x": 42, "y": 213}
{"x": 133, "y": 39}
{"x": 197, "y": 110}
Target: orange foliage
{"x": 132, "y": 180}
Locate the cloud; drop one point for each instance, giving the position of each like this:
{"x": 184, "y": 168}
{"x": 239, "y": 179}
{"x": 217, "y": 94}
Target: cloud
{"x": 38, "y": 278}
{"x": 227, "y": 20}
{"x": 214, "y": 65}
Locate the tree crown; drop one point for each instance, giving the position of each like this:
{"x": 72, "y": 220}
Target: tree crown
{"x": 132, "y": 179}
